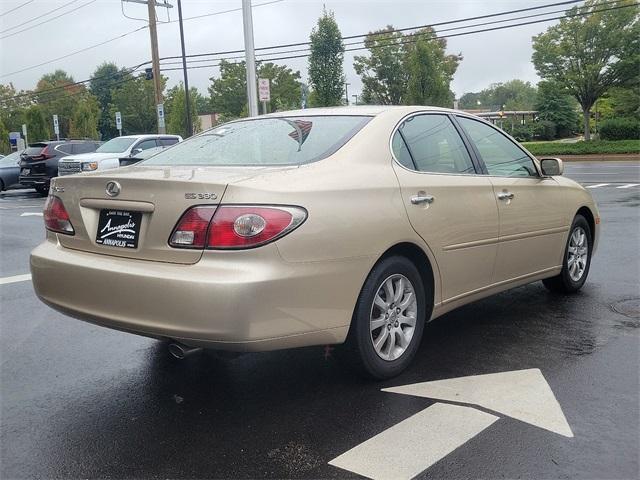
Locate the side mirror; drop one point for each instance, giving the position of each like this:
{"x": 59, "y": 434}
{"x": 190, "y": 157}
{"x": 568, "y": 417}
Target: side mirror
{"x": 551, "y": 167}
{"x": 135, "y": 152}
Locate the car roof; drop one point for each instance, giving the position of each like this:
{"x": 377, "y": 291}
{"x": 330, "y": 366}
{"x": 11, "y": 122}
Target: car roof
{"x": 369, "y": 110}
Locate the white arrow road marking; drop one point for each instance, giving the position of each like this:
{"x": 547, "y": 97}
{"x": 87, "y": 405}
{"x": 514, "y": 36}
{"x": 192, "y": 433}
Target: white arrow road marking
{"x": 31, "y": 214}
{"x": 413, "y": 445}
{"x": 15, "y": 279}
{"x": 629, "y": 185}
{"x": 598, "y": 185}
{"x": 522, "y": 394}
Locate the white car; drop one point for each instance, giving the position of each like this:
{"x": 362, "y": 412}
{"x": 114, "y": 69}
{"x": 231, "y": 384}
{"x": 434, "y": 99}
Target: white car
{"x": 108, "y": 155}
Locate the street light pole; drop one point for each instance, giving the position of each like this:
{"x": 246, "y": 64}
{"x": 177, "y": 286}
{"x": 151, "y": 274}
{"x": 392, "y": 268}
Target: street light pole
{"x": 250, "y": 58}
{"x": 184, "y": 72}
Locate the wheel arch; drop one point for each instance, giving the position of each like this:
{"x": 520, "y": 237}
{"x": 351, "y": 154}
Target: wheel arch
{"x": 589, "y": 217}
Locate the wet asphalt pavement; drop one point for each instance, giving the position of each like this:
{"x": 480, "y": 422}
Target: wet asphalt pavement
{"x": 81, "y": 401}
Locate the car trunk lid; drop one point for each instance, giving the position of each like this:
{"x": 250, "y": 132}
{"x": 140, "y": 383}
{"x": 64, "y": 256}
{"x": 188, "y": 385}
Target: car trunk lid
{"x": 156, "y": 197}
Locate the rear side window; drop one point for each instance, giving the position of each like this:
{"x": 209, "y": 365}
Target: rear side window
{"x": 265, "y": 141}
{"x": 501, "y": 156}
{"x": 434, "y": 144}
{"x": 84, "y": 148}
{"x": 65, "y": 148}
{"x": 167, "y": 142}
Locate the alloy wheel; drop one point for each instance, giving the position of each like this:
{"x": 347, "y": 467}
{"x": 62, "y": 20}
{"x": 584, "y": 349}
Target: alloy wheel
{"x": 577, "y": 254}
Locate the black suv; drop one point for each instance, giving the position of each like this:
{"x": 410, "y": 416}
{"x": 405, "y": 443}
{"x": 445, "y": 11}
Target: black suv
{"x": 39, "y": 162}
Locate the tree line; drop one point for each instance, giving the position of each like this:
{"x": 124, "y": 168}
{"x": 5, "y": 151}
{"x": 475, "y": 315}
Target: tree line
{"x": 590, "y": 59}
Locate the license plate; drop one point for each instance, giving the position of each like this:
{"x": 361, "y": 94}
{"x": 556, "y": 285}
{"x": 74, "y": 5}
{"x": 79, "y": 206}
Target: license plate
{"x": 119, "y": 228}
{"x": 26, "y": 171}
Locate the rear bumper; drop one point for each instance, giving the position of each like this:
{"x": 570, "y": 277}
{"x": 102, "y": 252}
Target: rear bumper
{"x": 246, "y": 300}
{"x": 33, "y": 180}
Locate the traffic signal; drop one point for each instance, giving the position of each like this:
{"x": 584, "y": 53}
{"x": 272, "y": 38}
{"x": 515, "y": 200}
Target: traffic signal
{"x": 148, "y": 73}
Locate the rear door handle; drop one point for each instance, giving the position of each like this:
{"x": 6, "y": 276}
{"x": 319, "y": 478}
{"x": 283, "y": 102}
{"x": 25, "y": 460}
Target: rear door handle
{"x": 421, "y": 198}
{"x": 505, "y": 196}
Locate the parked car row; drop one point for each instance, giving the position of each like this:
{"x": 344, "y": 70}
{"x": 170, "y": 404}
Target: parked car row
{"x": 35, "y": 166}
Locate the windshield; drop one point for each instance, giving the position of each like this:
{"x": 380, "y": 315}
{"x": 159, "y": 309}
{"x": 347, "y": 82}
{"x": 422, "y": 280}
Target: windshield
{"x": 10, "y": 160}
{"x": 264, "y": 141}
{"x": 116, "y": 145}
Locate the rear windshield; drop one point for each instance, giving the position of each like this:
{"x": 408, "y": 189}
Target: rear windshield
{"x": 264, "y": 141}
{"x": 116, "y": 145}
{"x": 34, "y": 149}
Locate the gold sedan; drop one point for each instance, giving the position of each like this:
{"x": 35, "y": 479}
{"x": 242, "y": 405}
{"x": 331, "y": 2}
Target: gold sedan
{"x": 350, "y": 225}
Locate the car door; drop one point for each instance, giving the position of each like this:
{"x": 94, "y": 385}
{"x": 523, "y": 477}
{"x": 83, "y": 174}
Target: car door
{"x": 448, "y": 204}
{"x": 533, "y": 224}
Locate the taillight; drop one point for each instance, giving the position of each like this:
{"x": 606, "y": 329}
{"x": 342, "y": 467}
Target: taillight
{"x": 56, "y": 217}
{"x": 45, "y": 153}
{"x": 191, "y": 230}
{"x": 234, "y": 226}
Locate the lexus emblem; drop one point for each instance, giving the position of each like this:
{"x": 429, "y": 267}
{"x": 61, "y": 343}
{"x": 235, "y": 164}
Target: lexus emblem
{"x": 112, "y": 189}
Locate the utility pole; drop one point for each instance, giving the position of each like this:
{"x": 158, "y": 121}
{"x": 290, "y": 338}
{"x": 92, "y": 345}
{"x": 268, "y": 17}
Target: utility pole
{"x": 346, "y": 92}
{"x": 250, "y": 58}
{"x": 184, "y": 72}
{"x": 155, "y": 59}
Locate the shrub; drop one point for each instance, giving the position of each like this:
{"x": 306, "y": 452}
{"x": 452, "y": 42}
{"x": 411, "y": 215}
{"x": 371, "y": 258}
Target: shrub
{"x": 544, "y": 130}
{"x": 620, "y": 129}
{"x": 601, "y": 147}
{"x": 522, "y": 133}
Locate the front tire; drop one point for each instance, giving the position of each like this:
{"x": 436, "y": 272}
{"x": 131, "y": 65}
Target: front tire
{"x": 388, "y": 321}
{"x": 576, "y": 260}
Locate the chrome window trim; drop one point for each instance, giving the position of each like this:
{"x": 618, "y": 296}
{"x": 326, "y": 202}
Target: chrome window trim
{"x": 445, "y": 113}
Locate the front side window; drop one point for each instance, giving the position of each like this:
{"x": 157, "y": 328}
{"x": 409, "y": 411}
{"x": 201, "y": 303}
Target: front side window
{"x": 434, "y": 145}
{"x": 146, "y": 144}
{"x": 501, "y": 156}
{"x": 264, "y": 141}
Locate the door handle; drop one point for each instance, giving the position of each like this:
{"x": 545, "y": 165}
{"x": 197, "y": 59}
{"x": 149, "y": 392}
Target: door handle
{"x": 421, "y": 198}
{"x": 505, "y": 196}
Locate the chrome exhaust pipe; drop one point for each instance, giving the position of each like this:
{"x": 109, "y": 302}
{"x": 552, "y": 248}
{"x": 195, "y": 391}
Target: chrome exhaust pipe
{"x": 181, "y": 351}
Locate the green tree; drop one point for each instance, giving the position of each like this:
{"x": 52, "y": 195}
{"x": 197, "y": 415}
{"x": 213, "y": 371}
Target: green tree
{"x": 430, "y": 70}
{"x": 176, "y": 112}
{"x": 384, "y": 78}
{"x": 229, "y": 92}
{"x": 84, "y": 121}
{"x": 5, "y": 146}
{"x": 58, "y": 95}
{"x": 135, "y": 100}
{"x": 106, "y": 78}
{"x": 554, "y": 105}
{"x": 284, "y": 86}
{"x": 326, "y": 74}
{"x": 13, "y": 106}
{"x": 587, "y": 55}
{"x": 37, "y": 124}
{"x": 511, "y": 95}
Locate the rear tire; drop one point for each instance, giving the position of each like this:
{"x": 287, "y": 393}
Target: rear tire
{"x": 576, "y": 260}
{"x": 388, "y": 321}
{"x": 42, "y": 190}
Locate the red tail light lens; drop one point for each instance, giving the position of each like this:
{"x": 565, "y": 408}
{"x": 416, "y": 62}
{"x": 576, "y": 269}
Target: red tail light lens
{"x": 56, "y": 217}
{"x": 191, "y": 230}
{"x": 234, "y": 227}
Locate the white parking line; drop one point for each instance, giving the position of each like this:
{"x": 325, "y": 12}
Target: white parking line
{"x": 15, "y": 279}
{"x": 629, "y": 185}
{"x": 32, "y": 214}
{"x": 597, "y": 185}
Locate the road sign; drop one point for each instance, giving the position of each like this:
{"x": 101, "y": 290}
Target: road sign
{"x": 264, "y": 90}
{"x": 160, "y": 108}
{"x": 56, "y": 126}
{"x": 119, "y": 123}
{"x": 413, "y": 445}
{"x": 24, "y": 129}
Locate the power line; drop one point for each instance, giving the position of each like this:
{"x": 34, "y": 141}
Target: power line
{"x": 393, "y": 31}
{"x": 16, "y": 8}
{"x": 410, "y": 40}
{"x": 74, "y": 53}
{"x": 460, "y": 20}
{"x": 224, "y": 11}
{"x": 49, "y": 19}
{"x": 39, "y": 16}
{"x": 118, "y": 37}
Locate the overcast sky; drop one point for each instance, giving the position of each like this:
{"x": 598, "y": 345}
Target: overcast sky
{"x": 488, "y": 57}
